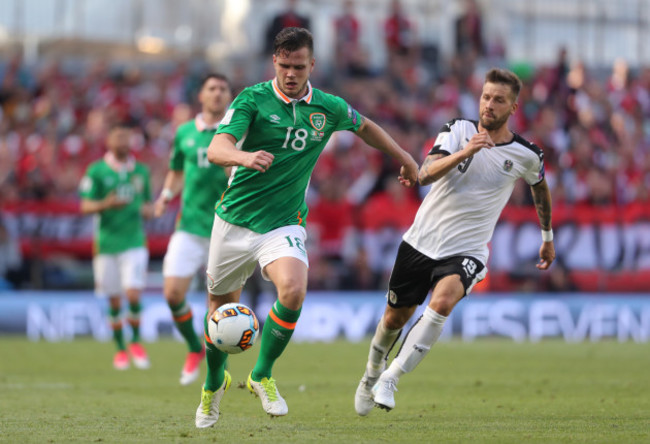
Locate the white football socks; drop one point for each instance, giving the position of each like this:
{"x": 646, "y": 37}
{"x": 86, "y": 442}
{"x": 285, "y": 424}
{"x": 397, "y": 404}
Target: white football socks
{"x": 417, "y": 343}
{"x": 381, "y": 344}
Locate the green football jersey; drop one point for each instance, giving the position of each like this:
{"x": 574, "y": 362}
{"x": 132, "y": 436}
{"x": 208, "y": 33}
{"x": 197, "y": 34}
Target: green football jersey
{"x": 295, "y": 132}
{"x": 204, "y": 181}
{"x": 119, "y": 229}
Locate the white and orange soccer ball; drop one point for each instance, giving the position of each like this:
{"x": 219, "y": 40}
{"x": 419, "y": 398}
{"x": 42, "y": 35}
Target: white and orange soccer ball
{"x": 233, "y": 328}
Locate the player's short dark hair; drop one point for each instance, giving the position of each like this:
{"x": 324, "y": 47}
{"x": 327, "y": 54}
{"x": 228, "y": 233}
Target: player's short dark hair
{"x": 505, "y": 77}
{"x": 292, "y": 39}
{"x": 125, "y": 123}
{"x": 213, "y": 75}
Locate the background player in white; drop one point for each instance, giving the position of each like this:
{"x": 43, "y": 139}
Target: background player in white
{"x": 473, "y": 167}
{"x": 202, "y": 184}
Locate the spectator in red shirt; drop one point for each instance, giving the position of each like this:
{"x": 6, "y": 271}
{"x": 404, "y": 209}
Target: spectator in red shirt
{"x": 385, "y": 218}
{"x": 346, "y": 36}
{"x": 400, "y": 37}
{"x": 287, "y": 19}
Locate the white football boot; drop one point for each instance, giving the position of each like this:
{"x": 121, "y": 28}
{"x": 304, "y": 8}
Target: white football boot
{"x": 384, "y": 392}
{"x": 363, "y": 400}
{"x": 272, "y": 402}
{"x": 208, "y": 412}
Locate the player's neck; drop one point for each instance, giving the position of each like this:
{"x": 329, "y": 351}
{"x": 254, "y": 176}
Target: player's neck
{"x": 119, "y": 157}
{"x": 500, "y": 135}
{"x": 210, "y": 118}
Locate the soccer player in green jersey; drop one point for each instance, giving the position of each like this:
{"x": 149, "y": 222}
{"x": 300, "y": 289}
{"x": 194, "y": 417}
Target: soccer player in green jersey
{"x": 117, "y": 189}
{"x": 202, "y": 184}
{"x": 281, "y": 127}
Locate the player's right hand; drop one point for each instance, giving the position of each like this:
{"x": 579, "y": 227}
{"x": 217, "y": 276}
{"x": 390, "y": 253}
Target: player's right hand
{"x": 112, "y": 201}
{"x": 408, "y": 176}
{"x": 478, "y": 142}
{"x": 258, "y": 160}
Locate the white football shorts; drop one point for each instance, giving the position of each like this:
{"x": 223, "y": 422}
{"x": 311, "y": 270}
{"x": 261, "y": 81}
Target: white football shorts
{"x": 115, "y": 273}
{"x": 186, "y": 254}
{"x": 235, "y": 250}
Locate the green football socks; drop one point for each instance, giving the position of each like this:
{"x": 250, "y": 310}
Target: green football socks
{"x": 183, "y": 319}
{"x": 116, "y": 326}
{"x": 216, "y": 360}
{"x": 277, "y": 331}
{"x": 134, "y": 320}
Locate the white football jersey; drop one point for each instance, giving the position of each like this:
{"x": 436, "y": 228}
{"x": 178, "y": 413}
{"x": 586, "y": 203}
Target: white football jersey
{"x": 458, "y": 215}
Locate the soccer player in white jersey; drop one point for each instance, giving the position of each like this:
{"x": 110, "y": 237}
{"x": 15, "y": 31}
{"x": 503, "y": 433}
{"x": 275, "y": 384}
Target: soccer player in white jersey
{"x": 472, "y": 167}
{"x": 202, "y": 184}
{"x": 281, "y": 127}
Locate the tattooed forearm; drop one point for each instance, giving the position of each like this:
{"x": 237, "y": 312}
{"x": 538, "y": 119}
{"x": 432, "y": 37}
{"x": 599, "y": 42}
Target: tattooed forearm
{"x": 425, "y": 176}
{"x": 542, "y": 199}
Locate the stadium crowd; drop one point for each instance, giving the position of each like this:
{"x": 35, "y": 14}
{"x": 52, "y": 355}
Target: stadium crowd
{"x": 594, "y": 128}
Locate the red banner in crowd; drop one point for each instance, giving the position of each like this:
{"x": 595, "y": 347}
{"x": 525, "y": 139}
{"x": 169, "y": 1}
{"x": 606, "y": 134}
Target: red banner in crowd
{"x": 599, "y": 248}
{"x": 47, "y": 228}
{"x": 602, "y": 248}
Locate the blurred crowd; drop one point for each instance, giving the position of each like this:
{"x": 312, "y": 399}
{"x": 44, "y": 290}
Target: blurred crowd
{"x": 593, "y": 125}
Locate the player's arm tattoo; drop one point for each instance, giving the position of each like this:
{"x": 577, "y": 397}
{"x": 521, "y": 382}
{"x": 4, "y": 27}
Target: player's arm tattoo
{"x": 427, "y": 174}
{"x": 542, "y": 199}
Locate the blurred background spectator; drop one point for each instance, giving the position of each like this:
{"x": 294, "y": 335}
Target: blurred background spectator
{"x": 410, "y": 65}
{"x": 289, "y": 18}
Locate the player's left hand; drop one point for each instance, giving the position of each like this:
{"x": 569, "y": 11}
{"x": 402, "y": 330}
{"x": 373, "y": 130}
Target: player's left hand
{"x": 546, "y": 255}
{"x": 159, "y": 206}
{"x": 408, "y": 174}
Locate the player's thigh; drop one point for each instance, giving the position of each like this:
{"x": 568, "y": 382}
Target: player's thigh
{"x": 289, "y": 275}
{"x": 230, "y": 257}
{"x": 410, "y": 281}
{"x": 133, "y": 268}
{"x": 454, "y": 278}
{"x": 106, "y": 273}
{"x": 186, "y": 254}
{"x": 469, "y": 270}
{"x": 283, "y": 242}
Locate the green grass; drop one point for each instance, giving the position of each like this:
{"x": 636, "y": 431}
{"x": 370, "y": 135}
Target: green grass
{"x": 487, "y": 391}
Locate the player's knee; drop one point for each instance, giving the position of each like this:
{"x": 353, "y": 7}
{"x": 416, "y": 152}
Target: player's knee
{"x": 394, "y": 320}
{"x": 443, "y": 304}
{"x": 291, "y": 293}
{"x": 173, "y": 295}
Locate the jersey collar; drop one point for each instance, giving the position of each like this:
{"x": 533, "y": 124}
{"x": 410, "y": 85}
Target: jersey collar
{"x": 118, "y": 166}
{"x": 282, "y": 96}
{"x": 202, "y": 126}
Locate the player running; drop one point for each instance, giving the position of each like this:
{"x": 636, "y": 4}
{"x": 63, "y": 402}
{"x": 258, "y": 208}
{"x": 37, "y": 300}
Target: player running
{"x": 117, "y": 189}
{"x": 473, "y": 167}
{"x": 281, "y": 127}
{"x": 202, "y": 184}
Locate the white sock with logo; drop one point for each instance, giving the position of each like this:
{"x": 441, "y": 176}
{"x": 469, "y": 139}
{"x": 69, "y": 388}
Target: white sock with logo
{"x": 381, "y": 344}
{"x": 417, "y": 343}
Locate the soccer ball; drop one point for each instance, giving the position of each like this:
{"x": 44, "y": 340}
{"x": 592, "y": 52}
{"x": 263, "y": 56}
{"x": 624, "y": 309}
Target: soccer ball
{"x": 233, "y": 328}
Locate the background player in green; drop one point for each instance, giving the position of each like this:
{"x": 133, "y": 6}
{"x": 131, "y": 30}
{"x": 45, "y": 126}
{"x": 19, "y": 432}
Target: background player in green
{"x": 202, "y": 184}
{"x": 116, "y": 189}
{"x": 281, "y": 127}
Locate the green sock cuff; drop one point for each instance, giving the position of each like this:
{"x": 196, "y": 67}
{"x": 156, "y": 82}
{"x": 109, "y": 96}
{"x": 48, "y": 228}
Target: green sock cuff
{"x": 285, "y": 313}
{"x": 113, "y": 312}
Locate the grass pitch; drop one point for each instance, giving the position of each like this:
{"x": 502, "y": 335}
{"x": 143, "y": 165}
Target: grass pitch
{"x": 488, "y": 391}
